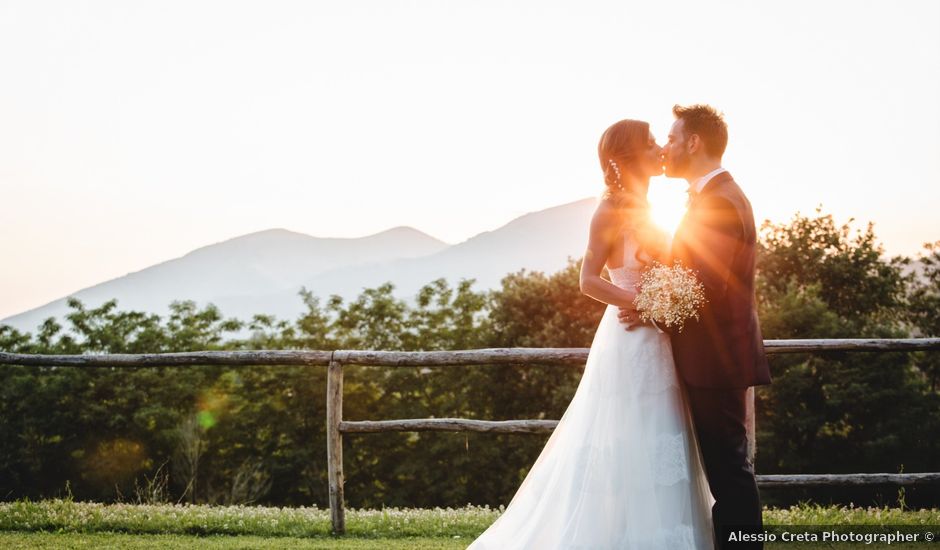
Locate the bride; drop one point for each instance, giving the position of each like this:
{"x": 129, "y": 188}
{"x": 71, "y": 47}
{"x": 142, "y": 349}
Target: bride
{"x": 622, "y": 469}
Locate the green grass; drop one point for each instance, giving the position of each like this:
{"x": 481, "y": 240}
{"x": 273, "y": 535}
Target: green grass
{"x": 123, "y": 541}
{"x": 87, "y": 517}
{"x": 132, "y": 542}
{"x": 68, "y": 524}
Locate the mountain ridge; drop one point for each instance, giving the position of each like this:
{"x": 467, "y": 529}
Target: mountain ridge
{"x": 263, "y": 271}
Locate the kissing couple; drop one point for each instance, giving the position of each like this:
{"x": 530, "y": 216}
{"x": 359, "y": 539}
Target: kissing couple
{"x": 652, "y": 451}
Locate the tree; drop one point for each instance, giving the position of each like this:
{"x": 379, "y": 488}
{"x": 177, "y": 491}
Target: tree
{"x": 818, "y": 279}
{"x": 924, "y": 308}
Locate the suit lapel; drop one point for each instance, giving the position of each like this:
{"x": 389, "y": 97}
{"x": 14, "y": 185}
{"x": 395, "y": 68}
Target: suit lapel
{"x": 689, "y": 221}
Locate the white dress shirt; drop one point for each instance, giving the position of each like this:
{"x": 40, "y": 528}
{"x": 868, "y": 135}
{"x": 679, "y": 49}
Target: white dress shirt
{"x": 703, "y": 181}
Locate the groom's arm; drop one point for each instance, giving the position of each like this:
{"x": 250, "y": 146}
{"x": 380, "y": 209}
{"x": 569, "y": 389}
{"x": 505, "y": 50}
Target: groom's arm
{"x": 714, "y": 243}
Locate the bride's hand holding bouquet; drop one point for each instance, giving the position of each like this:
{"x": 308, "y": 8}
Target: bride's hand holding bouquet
{"x": 668, "y": 296}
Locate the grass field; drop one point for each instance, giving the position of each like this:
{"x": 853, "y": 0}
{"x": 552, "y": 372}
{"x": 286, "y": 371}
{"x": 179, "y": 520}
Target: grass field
{"x": 68, "y": 524}
{"x": 172, "y": 542}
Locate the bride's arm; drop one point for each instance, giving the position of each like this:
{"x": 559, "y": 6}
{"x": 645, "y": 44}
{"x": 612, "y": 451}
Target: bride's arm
{"x": 605, "y": 226}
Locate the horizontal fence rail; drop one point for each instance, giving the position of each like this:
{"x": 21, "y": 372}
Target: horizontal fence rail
{"x": 449, "y": 425}
{"x": 491, "y": 356}
{"x": 828, "y": 480}
{"x": 181, "y": 359}
{"x": 336, "y": 426}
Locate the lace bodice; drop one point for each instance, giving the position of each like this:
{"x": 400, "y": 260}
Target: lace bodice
{"x": 627, "y": 275}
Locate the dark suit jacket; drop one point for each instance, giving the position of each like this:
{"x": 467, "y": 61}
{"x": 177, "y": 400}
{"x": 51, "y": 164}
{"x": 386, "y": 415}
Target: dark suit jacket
{"x": 718, "y": 239}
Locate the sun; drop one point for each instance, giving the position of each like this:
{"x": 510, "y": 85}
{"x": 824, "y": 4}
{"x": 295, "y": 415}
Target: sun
{"x": 667, "y": 204}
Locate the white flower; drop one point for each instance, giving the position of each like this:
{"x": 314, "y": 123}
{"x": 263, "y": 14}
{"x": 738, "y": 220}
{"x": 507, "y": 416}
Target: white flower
{"x": 669, "y": 295}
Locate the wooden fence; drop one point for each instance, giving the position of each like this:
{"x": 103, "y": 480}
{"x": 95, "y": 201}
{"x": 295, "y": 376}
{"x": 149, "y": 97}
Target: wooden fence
{"x": 571, "y": 357}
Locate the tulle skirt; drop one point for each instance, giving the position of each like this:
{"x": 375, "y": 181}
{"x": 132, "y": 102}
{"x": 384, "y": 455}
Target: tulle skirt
{"x": 622, "y": 469}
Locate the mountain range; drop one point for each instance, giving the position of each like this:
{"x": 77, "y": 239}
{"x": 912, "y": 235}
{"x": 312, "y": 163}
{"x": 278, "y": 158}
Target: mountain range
{"x": 263, "y": 272}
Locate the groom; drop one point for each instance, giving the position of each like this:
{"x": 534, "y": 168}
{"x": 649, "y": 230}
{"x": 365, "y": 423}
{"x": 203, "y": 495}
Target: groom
{"x": 722, "y": 354}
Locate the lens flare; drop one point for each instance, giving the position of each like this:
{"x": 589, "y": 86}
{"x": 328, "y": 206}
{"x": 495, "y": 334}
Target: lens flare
{"x": 667, "y": 203}
{"x": 115, "y": 461}
{"x": 206, "y": 419}
{"x": 211, "y": 405}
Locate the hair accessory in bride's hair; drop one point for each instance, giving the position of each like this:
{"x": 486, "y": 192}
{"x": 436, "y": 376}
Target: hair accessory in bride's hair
{"x": 613, "y": 164}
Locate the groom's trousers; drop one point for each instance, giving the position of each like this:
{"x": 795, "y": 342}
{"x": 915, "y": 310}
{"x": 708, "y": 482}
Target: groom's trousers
{"x": 720, "y": 425}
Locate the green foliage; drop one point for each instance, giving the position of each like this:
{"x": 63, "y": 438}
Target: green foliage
{"x": 924, "y": 309}
{"x": 817, "y": 279}
{"x": 854, "y": 279}
{"x": 924, "y": 295}
{"x": 532, "y": 309}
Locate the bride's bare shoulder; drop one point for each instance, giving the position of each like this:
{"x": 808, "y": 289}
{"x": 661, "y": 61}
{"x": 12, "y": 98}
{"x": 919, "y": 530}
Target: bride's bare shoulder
{"x": 606, "y": 214}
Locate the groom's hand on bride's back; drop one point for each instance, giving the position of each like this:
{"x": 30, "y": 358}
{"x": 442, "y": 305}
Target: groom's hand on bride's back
{"x": 629, "y": 318}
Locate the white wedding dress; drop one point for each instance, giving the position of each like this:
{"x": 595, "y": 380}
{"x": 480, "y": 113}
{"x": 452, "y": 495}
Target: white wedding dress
{"x": 622, "y": 469}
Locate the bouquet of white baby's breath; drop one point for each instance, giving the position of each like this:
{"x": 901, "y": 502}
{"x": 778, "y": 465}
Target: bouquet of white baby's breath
{"x": 669, "y": 296}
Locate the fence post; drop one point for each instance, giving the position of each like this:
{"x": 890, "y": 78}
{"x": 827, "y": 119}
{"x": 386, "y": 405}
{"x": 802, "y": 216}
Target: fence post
{"x": 334, "y": 445}
{"x": 750, "y": 418}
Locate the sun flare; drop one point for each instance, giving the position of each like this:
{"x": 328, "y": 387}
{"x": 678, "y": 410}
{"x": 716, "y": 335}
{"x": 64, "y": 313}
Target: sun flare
{"x": 667, "y": 204}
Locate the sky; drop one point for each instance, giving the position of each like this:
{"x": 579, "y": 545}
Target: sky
{"x": 134, "y": 132}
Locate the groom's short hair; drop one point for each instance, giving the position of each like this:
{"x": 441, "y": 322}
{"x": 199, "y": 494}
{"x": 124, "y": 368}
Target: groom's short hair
{"x": 708, "y": 123}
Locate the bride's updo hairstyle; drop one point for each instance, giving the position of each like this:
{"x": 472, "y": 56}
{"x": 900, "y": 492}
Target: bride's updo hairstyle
{"x": 619, "y": 151}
